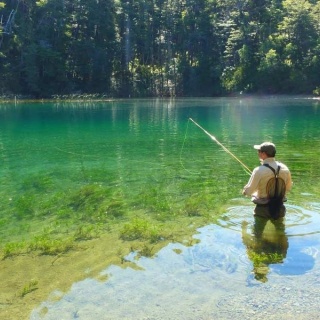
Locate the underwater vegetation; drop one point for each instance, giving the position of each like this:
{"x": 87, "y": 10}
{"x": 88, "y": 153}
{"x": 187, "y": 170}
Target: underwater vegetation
{"x": 50, "y": 246}
{"x": 51, "y": 212}
{"x": 32, "y": 285}
{"x": 13, "y": 248}
{"x": 141, "y": 229}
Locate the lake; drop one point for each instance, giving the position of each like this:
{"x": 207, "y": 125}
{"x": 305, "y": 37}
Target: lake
{"x": 126, "y": 209}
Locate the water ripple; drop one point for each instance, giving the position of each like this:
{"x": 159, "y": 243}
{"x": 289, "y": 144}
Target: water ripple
{"x": 298, "y": 221}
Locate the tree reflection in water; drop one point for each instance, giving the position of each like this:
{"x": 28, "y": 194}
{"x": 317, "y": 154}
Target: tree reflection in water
{"x": 266, "y": 244}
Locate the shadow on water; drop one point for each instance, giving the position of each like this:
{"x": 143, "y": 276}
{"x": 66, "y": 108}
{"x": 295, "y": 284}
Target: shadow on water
{"x": 240, "y": 267}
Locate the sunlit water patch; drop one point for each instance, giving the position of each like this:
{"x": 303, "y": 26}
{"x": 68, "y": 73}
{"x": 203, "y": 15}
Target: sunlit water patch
{"x": 213, "y": 279}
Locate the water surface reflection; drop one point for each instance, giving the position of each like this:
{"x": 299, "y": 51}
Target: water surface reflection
{"x": 213, "y": 279}
{"x": 266, "y": 244}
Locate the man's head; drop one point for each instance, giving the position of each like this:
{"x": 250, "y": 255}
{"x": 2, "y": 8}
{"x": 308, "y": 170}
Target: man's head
{"x": 266, "y": 147}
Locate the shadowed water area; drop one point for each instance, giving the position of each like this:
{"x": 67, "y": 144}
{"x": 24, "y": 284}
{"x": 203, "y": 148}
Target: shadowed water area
{"x": 127, "y": 210}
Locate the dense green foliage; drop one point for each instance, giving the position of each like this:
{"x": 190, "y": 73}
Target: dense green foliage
{"x": 145, "y": 48}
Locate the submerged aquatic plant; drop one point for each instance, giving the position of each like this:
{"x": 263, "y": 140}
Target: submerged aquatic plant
{"x": 88, "y": 197}
{"x": 86, "y": 232}
{"x": 28, "y": 287}
{"x": 37, "y": 183}
{"x": 146, "y": 251}
{"x": 13, "y": 248}
{"x": 136, "y": 229}
{"x": 140, "y": 229}
{"x": 193, "y": 204}
{"x": 97, "y": 203}
{"x": 113, "y": 208}
{"x": 50, "y": 246}
{"x": 24, "y": 206}
{"x": 154, "y": 199}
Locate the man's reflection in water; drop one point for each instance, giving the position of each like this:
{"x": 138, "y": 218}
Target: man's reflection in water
{"x": 267, "y": 244}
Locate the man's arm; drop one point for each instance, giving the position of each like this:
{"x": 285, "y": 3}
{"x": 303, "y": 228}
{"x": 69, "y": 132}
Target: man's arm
{"x": 289, "y": 182}
{"x": 252, "y": 185}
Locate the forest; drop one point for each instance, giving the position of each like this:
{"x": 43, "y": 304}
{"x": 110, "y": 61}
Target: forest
{"x": 158, "y": 48}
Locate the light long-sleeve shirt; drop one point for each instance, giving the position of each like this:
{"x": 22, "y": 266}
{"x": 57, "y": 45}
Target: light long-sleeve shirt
{"x": 257, "y": 184}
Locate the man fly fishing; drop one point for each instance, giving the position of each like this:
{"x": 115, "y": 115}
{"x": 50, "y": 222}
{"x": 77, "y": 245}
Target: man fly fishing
{"x": 269, "y": 183}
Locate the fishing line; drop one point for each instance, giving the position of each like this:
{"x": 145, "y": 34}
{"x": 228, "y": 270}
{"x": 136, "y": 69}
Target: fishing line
{"x": 182, "y": 148}
{"x": 246, "y": 169}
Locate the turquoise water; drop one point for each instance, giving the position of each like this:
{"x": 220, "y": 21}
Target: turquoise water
{"x": 66, "y": 165}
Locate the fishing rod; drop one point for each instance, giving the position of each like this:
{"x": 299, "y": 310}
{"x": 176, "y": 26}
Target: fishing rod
{"x": 222, "y": 146}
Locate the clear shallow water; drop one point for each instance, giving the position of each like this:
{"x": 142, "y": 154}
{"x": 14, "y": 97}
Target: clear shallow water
{"x": 210, "y": 280}
{"x": 67, "y": 165}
